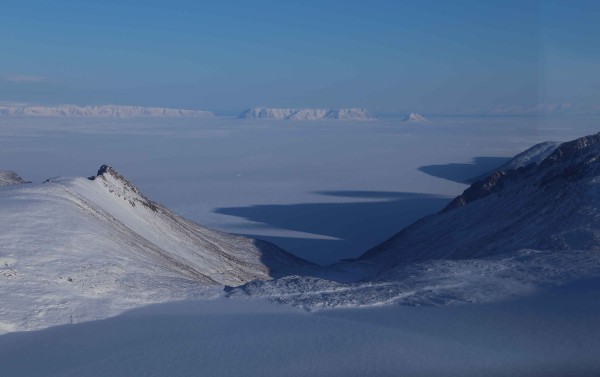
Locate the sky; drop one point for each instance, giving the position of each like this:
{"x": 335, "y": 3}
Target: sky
{"x": 446, "y": 57}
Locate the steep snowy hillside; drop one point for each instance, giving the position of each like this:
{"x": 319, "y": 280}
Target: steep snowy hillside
{"x": 508, "y": 235}
{"x": 8, "y": 178}
{"x": 550, "y": 206}
{"x": 535, "y": 154}
{"x": 414, "y": 117}
{"x": 305, "y": 114}
{"x": 109, "y": 111}
{"x": 79, "y": 249}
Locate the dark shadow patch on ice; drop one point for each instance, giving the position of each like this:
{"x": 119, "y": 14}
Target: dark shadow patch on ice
{"x": 465, "y": 172}
{"x": 357, "y": 226}
{"x": 372, "y": 194}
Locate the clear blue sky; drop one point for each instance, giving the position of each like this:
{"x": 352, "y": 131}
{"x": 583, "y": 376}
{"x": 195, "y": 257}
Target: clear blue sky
{"x": 389, "y": 56}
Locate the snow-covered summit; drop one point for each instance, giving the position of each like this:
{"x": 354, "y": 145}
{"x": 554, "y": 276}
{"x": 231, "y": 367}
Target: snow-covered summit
{"x": 532, "y": 155}
{"x": 107, "y": 111}
{"x": 552, "y": 205}
{"x": 507, "y": 235}
{"x": 305, "y": 114}
{"x": 75, "y": 249}
{"x": 414, "y": 117}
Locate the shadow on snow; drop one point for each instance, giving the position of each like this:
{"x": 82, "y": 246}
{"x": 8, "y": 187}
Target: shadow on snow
{"x": 465, "y": 173}
{"x": 349, "y": 228}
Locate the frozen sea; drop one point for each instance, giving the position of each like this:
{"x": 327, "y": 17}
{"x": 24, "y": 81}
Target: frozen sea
{"x": 323, "y": 190}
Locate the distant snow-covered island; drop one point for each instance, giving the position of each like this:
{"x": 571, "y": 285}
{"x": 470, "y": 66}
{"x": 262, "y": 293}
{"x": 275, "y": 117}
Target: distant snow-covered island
{"x": 414, "y": 117}
{"x": 105, "y": 111}
{"x": 305, "y": 114}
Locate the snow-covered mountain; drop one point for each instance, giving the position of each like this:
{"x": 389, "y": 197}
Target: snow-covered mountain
{"x": 508, "y": 235}
{"x": 534, "y": 154}
{"x": 305, "y": 114}
{"x": 414, "y": 117}
{"x": 552, "y": 205}
{"x": 77, "y": 249}
{"x": 110, "y": 111}
{"x": 8, "y": 178}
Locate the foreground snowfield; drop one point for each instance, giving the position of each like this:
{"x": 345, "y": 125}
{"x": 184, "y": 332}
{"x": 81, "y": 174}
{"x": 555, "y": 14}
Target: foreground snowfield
{"x": 554, "y": 333}
{"x": 358, "y": 186}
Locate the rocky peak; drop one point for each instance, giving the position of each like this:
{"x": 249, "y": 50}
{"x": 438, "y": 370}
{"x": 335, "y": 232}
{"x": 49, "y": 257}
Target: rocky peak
{"x": 8, "y": 178}
{"x": 121, "y": 187}
{"x": 569, "y": 162}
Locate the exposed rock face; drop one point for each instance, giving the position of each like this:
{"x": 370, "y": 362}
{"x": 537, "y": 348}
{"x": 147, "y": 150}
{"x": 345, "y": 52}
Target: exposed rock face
{"x": 125, "y": 188}
{"x": 8, "y": 178}
{"x": 567, "y": 161}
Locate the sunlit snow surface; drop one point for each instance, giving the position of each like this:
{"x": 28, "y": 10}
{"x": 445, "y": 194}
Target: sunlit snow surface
{"x": 323, "y": 191}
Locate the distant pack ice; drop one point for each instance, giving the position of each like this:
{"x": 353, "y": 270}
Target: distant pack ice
{"x": 305, "y": 114}
{"x": 106, "y": 111}
{"x": 414, "y": 117}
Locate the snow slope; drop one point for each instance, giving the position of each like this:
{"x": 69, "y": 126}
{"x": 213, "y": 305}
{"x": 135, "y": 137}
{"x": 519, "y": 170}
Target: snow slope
{"x": 305, "y": 114}
{"x": 554, "y": 333}
{"x": 8, "y": 178}
{"x": 111, "y": 111}
{"x": 550, "y": 206}
{"x": 508, "y": 235}
{"x": 533, "y": 155}
{"x": 80, "y": 249}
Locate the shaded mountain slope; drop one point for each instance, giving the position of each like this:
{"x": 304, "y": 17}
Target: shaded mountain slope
{"x": 553, "y": 205}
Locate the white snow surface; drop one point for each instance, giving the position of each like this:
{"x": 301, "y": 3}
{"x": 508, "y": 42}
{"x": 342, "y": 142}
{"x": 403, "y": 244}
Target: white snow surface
{"x": 105, "y": 111}
{"x": 536, "y": 226}
{"x": 305, "y": 114}
{"x": 75, "y": 250}
{"x": 533, "y": 155}
{"x": 359, "y": 185}
{"x": 414, "y": 117}
{"x": 553, "y": 205}
{"x": 553, "y": 333}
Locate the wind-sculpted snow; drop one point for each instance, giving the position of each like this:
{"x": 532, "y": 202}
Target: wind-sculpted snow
{"x": 105, "y": 111}
{"x": 8, "y": 178}
{"x": 305, "y": 114}
{"x": 435, "y": 282}
{"x": 80, "y": 249}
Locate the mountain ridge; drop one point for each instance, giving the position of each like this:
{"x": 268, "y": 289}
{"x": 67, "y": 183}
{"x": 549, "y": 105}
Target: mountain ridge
{"x": 77, "y": 249}
{"x": 502, "y": 213}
